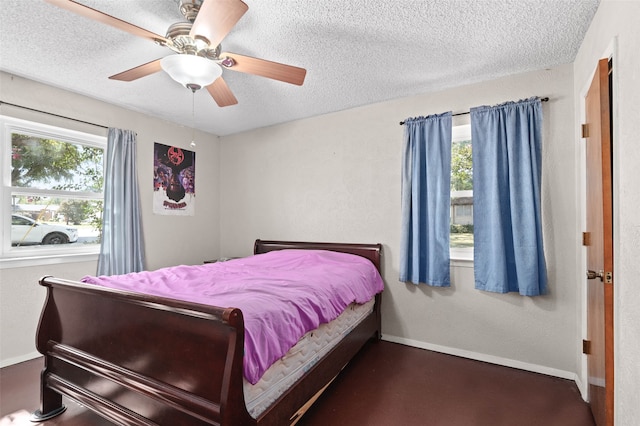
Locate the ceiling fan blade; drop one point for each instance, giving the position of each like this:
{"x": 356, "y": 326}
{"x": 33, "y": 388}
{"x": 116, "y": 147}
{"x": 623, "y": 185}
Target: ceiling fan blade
{"x": 138, "y": 72}
{"x": 264, "y": 68}
{"x": 221, "y": 93}
{"x": 96, "y": 15}
{"x": 216, "y": 18}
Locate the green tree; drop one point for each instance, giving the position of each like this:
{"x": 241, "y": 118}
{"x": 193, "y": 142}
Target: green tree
{"x": 461, "y": 166}
{"x": 75, "y": 211}
{"x": 38, "y": 162}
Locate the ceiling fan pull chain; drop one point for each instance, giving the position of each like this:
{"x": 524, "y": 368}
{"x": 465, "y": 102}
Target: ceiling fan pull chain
{"x": 193, "y": 119}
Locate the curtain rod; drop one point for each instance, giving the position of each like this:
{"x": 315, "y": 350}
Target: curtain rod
{"x": 468, "y": 112}
{"x": 55, "y": 115}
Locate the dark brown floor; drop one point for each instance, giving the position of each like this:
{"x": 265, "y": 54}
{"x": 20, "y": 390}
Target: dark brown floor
{"x": 386, "y": 384}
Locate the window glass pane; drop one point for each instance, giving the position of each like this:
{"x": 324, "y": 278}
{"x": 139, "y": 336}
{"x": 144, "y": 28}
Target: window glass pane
{"x": 46, "y": 221}
{"x": 461, "y": 194}
{"x": 54, "y": 164}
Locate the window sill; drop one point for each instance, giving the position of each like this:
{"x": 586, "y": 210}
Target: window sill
{"x": 461, "y": 257}
{"x": 461, "y": 263}
{"x": 49, "y": 259}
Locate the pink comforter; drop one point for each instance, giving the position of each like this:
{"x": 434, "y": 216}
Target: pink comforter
{"x": 282, "y": 294}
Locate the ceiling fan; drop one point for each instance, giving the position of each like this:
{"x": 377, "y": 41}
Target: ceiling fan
{"x": 198, "y": 60}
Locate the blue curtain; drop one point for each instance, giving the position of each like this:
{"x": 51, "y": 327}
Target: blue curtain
{"x": 508, "y": 251}
{"x": 426, "y": 194}
{"x": 121, "y": 249}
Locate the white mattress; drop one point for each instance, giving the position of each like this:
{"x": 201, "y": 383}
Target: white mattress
{"x": 301, "y": 357}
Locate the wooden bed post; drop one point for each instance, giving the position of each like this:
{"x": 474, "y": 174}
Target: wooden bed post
{"x": 50, "y": 400}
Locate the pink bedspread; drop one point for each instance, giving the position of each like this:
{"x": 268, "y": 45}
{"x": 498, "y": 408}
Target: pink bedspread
{"x": 282, "y": 294}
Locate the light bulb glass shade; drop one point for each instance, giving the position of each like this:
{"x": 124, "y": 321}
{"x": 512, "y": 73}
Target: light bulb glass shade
{"x": 194, "y": 72}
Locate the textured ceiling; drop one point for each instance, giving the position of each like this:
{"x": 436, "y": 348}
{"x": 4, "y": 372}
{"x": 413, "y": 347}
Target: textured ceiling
{"x": 356, "y": 52}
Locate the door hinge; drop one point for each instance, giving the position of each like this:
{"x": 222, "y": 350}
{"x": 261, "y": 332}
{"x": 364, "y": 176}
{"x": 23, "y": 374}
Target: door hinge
{"x": 586, "y": 238}
{"x": 586, "y": 347}
{"x": 585, "y": 130}
{"x": 608, "y": 277}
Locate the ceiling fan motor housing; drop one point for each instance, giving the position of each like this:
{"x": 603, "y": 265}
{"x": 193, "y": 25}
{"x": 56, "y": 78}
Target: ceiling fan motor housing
{"x": 189, "y": 8}
{"x": 180, "y": 41}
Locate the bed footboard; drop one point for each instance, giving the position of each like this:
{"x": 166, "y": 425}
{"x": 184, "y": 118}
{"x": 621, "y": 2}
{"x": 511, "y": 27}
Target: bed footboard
{"x": 138, "y": 359}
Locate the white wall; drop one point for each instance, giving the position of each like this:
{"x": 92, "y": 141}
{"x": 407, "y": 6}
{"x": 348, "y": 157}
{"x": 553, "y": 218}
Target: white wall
{"x": 169, "y": 240}
{"x": 616, "y": 24}
{"x": 337, "y": 178}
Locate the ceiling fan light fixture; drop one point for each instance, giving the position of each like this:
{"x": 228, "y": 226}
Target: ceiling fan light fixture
{"x": 192, "y": 71}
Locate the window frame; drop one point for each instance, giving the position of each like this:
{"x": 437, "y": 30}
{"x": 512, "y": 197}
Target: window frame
{"x": 28, "y": 256}
{"x": 462, "y": 256}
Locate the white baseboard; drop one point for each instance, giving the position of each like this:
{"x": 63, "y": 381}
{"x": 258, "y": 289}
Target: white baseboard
{"x": 18, "y": 359}
{"x": 485, "y": 358}
{"x": 584, "y": 392}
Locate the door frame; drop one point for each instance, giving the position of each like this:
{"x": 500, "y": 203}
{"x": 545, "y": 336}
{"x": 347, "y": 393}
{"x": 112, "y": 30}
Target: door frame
{"x": 611, "y": 54}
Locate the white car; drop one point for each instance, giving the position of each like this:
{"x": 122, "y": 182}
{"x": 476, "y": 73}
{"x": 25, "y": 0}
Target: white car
{"x": 26, "y": 231}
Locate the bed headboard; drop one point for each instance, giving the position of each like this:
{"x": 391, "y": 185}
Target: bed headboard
{"x": 373, "y": 252}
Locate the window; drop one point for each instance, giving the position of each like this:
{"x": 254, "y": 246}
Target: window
{"x": 52, "y": 189}
{"x": 461, "y": 223}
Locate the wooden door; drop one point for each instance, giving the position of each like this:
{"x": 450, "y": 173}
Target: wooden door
{"x": 599, "y": 242}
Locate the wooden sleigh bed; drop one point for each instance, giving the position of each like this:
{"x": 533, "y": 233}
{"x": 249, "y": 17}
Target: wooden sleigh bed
{"x": 138, "y": 359}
